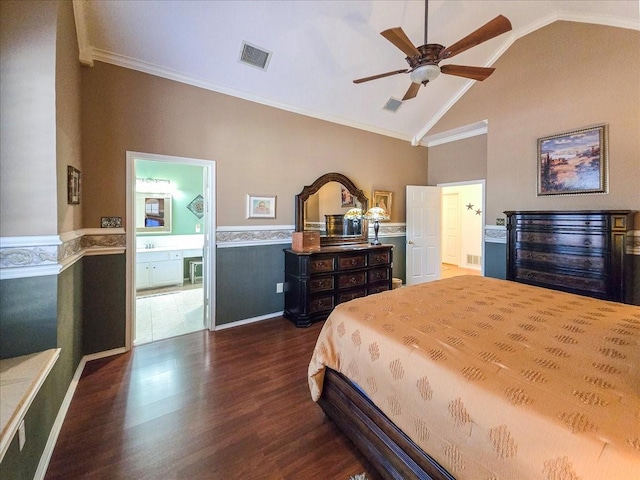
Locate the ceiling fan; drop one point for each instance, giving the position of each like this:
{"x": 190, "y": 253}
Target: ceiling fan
{"x": 423, "y": 61}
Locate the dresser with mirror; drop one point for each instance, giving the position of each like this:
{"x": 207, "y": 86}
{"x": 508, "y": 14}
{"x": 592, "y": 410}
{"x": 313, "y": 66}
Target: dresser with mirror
{"x": 345, "y": 266}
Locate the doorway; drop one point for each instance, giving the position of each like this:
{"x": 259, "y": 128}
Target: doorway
{"x": 462, "y": 228}
{"x": 458, "y": 238}
{"x": 170, "y": 262}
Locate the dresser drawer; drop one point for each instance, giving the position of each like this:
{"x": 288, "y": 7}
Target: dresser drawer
{"x": 377, "y": 288}
{"x": 346, "y": 296}
{"x": 566, "y": 239}
{"x": 380, "y": 258}
{"x": 584, "y": 283}
{"x": 352, "y": 261}
{"x": 579, "y": 262}
{"x": 320, "y": 284}
{"x": 321, "y": 304}
{"x": 348, "y": 280}
{"x": 595, "y": 222}
{"x": 376, "y": 274}
{"x": 322, "y": 264}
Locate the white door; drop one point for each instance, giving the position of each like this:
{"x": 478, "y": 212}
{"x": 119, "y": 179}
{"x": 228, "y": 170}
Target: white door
{"x": 450, "y": 229}
{"x": 423, "y": 234}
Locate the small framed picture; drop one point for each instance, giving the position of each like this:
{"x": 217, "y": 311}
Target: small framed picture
{"x": 347, "y": 200}
{"x": 73, "y": 185}
{"x": 573, "y": 162}
{"x": 111, "y": 222}
{"x": 261, "y": 206}
{"x": 382, "y": 199}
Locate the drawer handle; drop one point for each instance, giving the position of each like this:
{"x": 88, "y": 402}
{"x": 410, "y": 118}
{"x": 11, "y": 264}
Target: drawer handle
{"x": 530, "y": 275}
{"x": 587, "y": 223}
{"x": 587, "y": 263}
{"x": 587, "y": 242}
{"x": 529, "y": 255}
{"x": 354, "y": 261}
{"x": 352, "y": 280}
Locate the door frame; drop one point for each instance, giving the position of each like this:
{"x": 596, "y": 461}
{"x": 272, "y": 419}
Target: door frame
{"x": 208, "y": 248}
{"x": 483, "y": 184}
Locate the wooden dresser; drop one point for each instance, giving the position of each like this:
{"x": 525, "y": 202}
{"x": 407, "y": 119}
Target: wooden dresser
{"x": 315, "y": 282}
{"x": 580, "y": 252}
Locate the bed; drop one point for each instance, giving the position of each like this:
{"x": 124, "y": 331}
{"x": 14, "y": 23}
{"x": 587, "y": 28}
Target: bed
{"x": 480, "y": 378}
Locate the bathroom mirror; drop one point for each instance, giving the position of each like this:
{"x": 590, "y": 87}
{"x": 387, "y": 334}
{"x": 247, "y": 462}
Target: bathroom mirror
{"x": 326, "y": 206}
{"x": 153, "y": 212}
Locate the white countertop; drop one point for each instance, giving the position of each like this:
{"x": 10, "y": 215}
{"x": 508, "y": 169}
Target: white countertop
{"x": 20, "y": 380}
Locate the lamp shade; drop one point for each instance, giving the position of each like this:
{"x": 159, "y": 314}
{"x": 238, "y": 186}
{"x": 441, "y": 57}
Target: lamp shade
{"x": 353, "y": 214}
{"x": 376, "y": 214}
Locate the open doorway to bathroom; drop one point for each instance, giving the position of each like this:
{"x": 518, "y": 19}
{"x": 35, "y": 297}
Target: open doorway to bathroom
{"x": 170, "y": 222}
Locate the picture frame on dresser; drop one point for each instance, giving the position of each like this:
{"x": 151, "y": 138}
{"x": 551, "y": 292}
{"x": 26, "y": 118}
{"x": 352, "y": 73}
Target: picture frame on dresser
{"x": 574, "y": 162}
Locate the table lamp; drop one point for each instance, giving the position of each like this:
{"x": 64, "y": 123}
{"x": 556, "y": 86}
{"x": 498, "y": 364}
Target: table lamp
{"x": 376, "y": 214}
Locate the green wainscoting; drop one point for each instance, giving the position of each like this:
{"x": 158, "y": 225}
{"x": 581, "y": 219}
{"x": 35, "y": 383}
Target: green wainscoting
{"x": 246, "y": 280}
{"x": 29, "y": 315}
{"x": 39, "y": 419}
{"x": 495, "y": 260}
{"x": 104, "y": 307}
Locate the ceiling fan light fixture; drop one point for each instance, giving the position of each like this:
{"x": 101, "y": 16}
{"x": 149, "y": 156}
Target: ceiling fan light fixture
{"x": 425, "y": 73}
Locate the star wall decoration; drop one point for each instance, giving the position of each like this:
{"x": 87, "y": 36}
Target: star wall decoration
{"x": 478, "y": 212}
{"x": 469, "y": 206}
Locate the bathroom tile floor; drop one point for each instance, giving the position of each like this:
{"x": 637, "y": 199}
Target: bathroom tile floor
{"x": 167, "y": 313}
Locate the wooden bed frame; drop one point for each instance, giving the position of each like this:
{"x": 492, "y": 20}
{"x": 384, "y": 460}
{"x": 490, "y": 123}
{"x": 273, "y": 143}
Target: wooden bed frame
{"x": 390, "y": 451}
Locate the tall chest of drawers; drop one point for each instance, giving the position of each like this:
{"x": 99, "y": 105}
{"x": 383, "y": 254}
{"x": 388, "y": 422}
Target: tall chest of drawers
{"x": 315, "y": 282}
{"x": 580, "y": 252}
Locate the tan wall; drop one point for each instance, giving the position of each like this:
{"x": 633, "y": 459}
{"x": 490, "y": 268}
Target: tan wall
{"x": 28, "y": 118}
{"x": 559, "y": 78}
{"x": 458, "y": 161}
{"x": 258, "y": 149}
{"x": 67, "y": 115}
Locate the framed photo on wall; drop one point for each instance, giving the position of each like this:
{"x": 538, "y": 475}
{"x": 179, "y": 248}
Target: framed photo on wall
{"x": 261, "y": 206}
{"x": 574, "y": 162}
{"x": 382, "y": 199}
{"x": 73, "y": 185}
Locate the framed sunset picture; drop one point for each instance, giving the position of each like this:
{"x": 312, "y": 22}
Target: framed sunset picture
{"x": 574, "y": 162}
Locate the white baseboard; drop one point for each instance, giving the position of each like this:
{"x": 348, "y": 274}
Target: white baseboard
{"x": 247, "y": 321}
{"x": 64, "y": 408}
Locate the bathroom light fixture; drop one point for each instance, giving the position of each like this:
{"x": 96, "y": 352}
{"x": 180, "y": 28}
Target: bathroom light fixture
{"x": 376, "y": 214}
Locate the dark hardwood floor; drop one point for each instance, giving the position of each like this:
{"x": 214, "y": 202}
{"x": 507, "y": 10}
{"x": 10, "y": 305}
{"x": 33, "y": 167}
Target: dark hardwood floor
{"x": 232, "y": 404}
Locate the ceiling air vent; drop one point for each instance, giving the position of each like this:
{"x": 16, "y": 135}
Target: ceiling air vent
{"x": 392, "y": 105}
{"x": 255, "y": 56}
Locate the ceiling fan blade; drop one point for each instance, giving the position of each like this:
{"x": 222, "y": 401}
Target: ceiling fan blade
{"x": 381, "y": 75}
{"x": 495, "y": 27}
{"x": 412, "y": 92}
{"x": 399, "y": 39}
{"x": 477, "y": 73}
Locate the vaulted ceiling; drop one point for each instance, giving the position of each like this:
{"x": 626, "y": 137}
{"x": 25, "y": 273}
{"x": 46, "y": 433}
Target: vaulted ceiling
{"x": 318, "y": 48}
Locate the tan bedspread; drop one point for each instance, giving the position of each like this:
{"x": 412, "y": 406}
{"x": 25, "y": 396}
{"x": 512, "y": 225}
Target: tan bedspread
{"x": 495, "y": 379}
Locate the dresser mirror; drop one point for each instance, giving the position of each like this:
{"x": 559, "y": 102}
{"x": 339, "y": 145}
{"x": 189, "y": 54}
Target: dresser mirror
{"x": 333, "y": 206}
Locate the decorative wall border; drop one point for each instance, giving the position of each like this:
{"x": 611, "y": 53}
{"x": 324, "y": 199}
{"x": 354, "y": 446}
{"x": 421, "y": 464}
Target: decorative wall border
{"x": 22, "y": 257}
{"x": 247, "y": 236}
{"x": 495, "y": 234}
{"x": 633, "y": 242}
